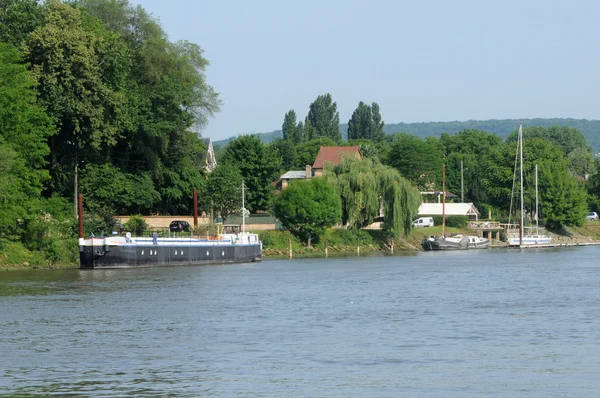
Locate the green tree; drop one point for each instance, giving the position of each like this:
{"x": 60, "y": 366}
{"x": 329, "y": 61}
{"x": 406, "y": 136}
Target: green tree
{"x": 324, "y": 118}
{"x": 286, "y": 152}
{"x": 417, "y": 160}
{"x": 308, "y": 207}
{"x": 18, "y": 18}
{"x": 24, "y": 129}
{"x": 367, "y": 188}
{"x": 258, "y": 166}
{"x": 290, "y": 128}
{"x": 366, "y": 123}
{"x": 564, "y": 198}
{"x": 223, "y": 189}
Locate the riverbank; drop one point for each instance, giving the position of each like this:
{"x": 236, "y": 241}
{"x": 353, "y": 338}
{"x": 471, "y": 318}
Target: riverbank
{"x": 14, "y": 256}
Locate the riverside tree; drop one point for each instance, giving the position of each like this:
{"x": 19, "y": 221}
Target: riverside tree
{"x": 366, "y": 188}
{"x": 308, "y": 207}
{"x": 223, "y": 190}
{"x": 258, "y": 166}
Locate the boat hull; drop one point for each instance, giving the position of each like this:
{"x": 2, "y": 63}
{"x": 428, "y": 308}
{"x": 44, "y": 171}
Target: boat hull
{"x": 165, "y": 254}
{"x": 438, "y": 243}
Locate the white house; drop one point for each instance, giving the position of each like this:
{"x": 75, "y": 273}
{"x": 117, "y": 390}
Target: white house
{"x": 451, "y": 209}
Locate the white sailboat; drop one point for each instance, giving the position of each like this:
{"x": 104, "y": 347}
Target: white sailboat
{"x": 524, "y": 239}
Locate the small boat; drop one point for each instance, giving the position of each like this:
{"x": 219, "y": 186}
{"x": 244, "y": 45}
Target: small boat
{"x": 456, "y": 242}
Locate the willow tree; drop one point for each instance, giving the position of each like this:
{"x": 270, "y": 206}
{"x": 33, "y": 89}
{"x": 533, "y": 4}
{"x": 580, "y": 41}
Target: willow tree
{"x": 366, "y": 188}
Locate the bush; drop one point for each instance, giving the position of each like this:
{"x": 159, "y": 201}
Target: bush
{"x": 452, "y": 221}
{"x": 137, "y": 225}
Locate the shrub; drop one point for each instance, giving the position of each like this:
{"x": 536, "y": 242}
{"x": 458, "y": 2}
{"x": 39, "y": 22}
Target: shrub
{"x": 137, "y": 225}
{"x": 452, "y": 221}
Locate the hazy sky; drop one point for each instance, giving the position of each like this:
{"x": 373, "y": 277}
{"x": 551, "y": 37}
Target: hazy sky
{"x": 419, "y": 60}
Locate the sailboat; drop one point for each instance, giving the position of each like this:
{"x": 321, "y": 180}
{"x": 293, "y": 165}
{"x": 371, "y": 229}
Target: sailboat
{"x": 455, "y": 242}
{"x": 526, "y": 239}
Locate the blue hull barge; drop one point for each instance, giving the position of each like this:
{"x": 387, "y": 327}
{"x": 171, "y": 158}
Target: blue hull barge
{"x": 124, "y": 252}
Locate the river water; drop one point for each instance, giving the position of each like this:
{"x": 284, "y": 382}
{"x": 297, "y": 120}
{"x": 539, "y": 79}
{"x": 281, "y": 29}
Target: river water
{"x": 499, "y": 322}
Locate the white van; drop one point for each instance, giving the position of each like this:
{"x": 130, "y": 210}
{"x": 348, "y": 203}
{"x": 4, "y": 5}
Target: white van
{"x": 423, "y": 222}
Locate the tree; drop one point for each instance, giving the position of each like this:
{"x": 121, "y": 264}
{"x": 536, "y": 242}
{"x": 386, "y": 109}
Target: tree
{"x": 324, "y": 118}
{"x": 366, "y": 123}
{"x": 68, "y": 60}
{"x": 258, "y": 166}
{"x": 286, "y": 151}
{"x": 18, "y": 18}
{"x": 223, "y": 189}
{"x": 417, "y": 160}
{"x": 308, "y": 207}
{"x": 24, "y": 129}
{"x": 366, "y": 188}
{"x": 290, "y": 128}
{"x": 564, "y": 198}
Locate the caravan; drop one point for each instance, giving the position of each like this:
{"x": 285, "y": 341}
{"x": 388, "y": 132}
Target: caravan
{"x": 423, "y": 222}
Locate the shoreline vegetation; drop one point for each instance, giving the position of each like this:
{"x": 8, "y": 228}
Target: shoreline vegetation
{"x": 339, "y": 242}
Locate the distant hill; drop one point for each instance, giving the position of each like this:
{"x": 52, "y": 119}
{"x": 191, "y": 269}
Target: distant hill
{"x": 589, "y": 128}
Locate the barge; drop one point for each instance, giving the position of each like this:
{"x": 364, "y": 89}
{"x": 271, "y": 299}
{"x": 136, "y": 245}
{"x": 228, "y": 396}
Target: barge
{"x": 128, "y": 252}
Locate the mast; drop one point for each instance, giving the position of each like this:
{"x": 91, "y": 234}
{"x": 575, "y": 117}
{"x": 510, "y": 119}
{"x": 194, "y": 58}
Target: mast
{"x": 443, "y": 200}
{"x": 521, "y": 178}
{"x": 243, "y": 209}
{"x": 537, "y": 226}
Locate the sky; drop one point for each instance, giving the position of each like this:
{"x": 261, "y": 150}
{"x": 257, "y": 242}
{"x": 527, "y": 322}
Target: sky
{"x": 421, "y": 61}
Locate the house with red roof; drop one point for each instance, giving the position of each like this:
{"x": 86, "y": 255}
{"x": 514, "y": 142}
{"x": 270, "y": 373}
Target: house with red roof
{"x": 333, "y": 155}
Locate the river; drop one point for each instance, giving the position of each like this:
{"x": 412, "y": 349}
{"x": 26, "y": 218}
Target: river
{"x": 499, "y": 322}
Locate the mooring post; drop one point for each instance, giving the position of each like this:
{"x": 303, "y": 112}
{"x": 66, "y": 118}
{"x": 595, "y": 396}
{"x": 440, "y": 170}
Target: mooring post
{"x": 392, "y": 245}
{"x": 290, "y": 245}
{"x": 195, "y": 211}
{"x": 80, "y": 214}
{"x": 358, "y": 246}
{"x": 325, "y": 248}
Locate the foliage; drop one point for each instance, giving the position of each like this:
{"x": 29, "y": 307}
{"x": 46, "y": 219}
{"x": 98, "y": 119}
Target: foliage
{"x": 24, "y": 129}
{"x": 18, "y": 18}
{"x": 306, "y": 153}
{"x": 136, "y": 224}
{"x": 452, "y": 221}
{"x": 291, "y": 130}
{"x": 418, "y": 161}
{"x": 107, "y": 187}
{"x": 224, "y": 189}
{"x": 307, "y": 207}
{"x": 564, "y": 198}
{"x": 324, "y": 118}
{"x": 367, "y": 188}
{"x": 258, "y": 166}
{"x": 286, "y": 152}
{"x": 366, "y": 123}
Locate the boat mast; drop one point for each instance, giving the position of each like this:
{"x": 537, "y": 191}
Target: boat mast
{"x": 443, "y": 200}
{"x": 243, "y": 208}
{"x": 521, "y": 174}
{"x": 537, "y": 225}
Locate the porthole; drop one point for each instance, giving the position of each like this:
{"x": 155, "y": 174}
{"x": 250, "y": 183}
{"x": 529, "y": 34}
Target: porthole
{"x": 142, "y": 252}
{"x": 207, "y": 253}
{"x": 175, "y": 252}
{"x": 223, "y": 253}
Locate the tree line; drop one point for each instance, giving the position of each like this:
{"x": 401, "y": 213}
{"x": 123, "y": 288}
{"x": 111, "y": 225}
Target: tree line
{"x": 95, "y": 99}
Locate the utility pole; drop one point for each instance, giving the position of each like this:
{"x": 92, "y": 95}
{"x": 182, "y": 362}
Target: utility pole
{"x": 462, "y": 179}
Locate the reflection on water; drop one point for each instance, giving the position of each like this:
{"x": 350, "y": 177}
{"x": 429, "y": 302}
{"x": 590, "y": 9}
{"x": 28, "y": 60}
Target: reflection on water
{"x": 491, "y": 322}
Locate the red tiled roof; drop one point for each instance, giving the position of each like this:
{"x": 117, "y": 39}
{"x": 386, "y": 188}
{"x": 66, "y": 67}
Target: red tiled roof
{"x": 333, "y": 154}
